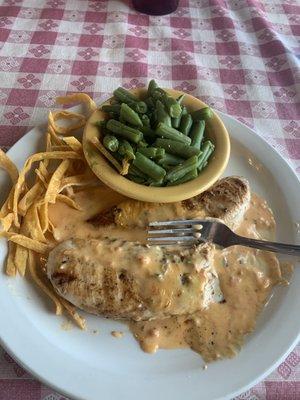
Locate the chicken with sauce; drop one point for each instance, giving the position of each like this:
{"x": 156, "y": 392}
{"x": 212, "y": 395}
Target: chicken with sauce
{"x": 122, "y": 279}
{"x": 227, "y": 200}
{"x": 138, "y": 282}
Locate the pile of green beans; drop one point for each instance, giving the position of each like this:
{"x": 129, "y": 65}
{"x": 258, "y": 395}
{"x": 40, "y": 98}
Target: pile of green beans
{"x": 163, "y": 142}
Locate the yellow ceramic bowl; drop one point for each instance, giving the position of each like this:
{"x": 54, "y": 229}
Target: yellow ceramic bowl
{"x": 215, "y": 130}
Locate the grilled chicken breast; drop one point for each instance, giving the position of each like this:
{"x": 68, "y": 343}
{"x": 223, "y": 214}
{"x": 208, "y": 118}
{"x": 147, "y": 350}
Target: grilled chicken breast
{"x": 122, "y": 279}
{"x": 138, "y": 282}
{"x": 227, "y": 200}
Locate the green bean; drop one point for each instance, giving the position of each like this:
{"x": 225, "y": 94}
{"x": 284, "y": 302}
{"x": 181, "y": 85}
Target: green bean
{"x": 176, "y": 121}
{"x": 101, "y": 125}
{"x": 149, "y": 152}
{"x": 154, "y": 183}
{"x": 124, "y": 96}
{"x": 196, "y": 133}
{"x": 152, "y": 85}
{"x": 184, "y": 111}
{"x": 207, "y": 150}
{"x": 206, "y": 158}
{"x": 153, "y": 119}
{"x": 187, "y": 177}
{"x": 161, "y": 114}
{"x": 170, "y": 159}
{"x": 145, "y": 120}
{"x": 180, "y": 98}
{"x": 111, "y": 108}
{"x": 135, "y": 178}
{"x": 117, "y": 156}
{"x": 167, "y": 132}
{"x": 114, "y": 116}
{"x": 177, "y": 148}
{"x": 142, "y": 144}
{"x": 137, "y": 172}
{"x": 150, "y": 103}
{"x": 160, "y": 152}
{"x": 139, "y": 107}
{"x": 149, "y": 167}
{"x": 129, "y": 115}
{"x": 111, "y": 143}
{"x": 114, "y": 101}
{"x": 124, "y": 131}
{"x": 125, "y": 149}
{"x": 152, "y": 152}
{"x": 203, "y": 113}
{"x": 166, "y": 167}
{"x": 148, "y": 133}
{"x": 180, "y": 170}
{"x": 173, "y": 108}
{"x": 154, "y": 90}
{"x": 186, "y": 124}
{"x": 158, "y": 94}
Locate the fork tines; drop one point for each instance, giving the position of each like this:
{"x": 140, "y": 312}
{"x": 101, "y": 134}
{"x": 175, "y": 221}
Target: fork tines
{"x": 168, "y": 233}
{"x": 178, "y": 222}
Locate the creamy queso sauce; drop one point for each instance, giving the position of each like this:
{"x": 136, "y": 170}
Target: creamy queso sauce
{"x": 246, "y": 277}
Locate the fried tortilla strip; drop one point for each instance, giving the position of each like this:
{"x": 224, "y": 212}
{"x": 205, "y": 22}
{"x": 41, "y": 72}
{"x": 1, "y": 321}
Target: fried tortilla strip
{"x": 32, "y": 225}
{"x": 55, "y": 155}
{"x": 77, "y": 180}
{"x": 66, "y": 115}
{"x": 60, "y": 148}
{"x": 29, "y": 243}
{"x": 73, "y": 143}
{"x": 67, "y": 200}
{"x": 48, "y": 141}
{"x": 8, "y": 166}
{"x": 55, "y": 139}
{"x": 11, "y": 268}
{"x": 29, "y": 198}
{"x": 43, "y": 169}
{"x": 77, "y": 98}
{"x": 80, "y": 321}
{"x": 99, "y": 146}
{"x": 43, "y": 214}
{"x": 41, "y": 178}
{"x": 54, "y": 183}
{"x": 21, "y": 257}
{"x": 6, "y": 222}
{"x": 125, "y": 167}
{"x": 47, "y": 290}
{"x": 7, "y": 205}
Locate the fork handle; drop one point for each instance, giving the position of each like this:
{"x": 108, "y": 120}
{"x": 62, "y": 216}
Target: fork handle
{"x": 291, "y": 249}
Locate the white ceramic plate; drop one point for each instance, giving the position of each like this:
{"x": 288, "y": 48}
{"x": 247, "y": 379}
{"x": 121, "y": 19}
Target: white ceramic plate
{"x": 89, "y": 366}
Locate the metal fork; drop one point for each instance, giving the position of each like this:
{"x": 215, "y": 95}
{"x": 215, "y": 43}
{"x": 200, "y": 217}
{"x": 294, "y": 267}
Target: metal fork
{"x": 194, "y": 231}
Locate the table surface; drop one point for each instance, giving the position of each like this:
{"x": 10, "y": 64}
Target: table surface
{"x": 239, "y": 56}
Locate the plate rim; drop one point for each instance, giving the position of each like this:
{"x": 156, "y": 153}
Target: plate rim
{"x": 68, "y": 392}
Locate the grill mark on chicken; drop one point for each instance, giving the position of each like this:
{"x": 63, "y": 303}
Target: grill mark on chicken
{"x": 232, "y": 190}
{"x": 63, "y": 277}
{"x": 104, "y": 218}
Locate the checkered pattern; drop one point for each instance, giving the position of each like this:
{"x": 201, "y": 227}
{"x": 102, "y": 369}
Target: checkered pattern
{"x": 239, "y": 56}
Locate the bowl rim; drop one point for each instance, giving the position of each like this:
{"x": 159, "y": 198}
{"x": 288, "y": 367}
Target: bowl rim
{"x": 110, "y": 177}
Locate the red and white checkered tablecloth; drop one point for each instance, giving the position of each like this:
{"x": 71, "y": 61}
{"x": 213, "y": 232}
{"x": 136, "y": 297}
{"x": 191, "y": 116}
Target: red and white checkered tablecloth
{"x": 239, "y": 56}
